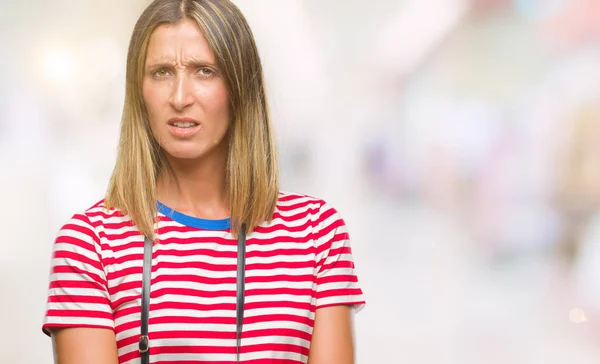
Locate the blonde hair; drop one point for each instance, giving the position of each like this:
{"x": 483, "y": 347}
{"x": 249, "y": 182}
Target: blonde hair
{"x": 252, "y": 170}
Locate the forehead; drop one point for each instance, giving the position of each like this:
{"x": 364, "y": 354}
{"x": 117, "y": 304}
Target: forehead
{"x": 181, "y": 41}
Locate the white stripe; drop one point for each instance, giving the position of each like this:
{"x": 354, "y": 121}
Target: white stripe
{"x": 77, "y": 291}
{"x": 78, "y": 321}
{"x": 68, "y": 306}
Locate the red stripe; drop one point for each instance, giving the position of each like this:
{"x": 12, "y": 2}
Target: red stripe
{"x": 297, "y": 206}
{"x": 121, "y": 273}
{"x": 290, "y": 348}
{"x": 281, "y": 239}
{"x": 197, "y": 240}
{"x": 64, "y": 284}
{"x": 198, "y": 252}
{"x": 345, "y": 303}
{"x": 277, "y": 332}
{"x": 119, "y": 225}
{"x": 121, "y": 235}
{"x": 197, "y": 349}
{"x": 325, "y": 214}
{"x": 69, "y": 257}
{"x": 132, "y": 324}
{"x": 279, "y": 304}
{"x": 126, "y": 357}
{"x": 270, "y": 361}
{"x": 195, "y": 265}
{"x": 303, "y": 253}
{"x": 229, "y": 349}
{"x": 102, "y": 215}
{"x": 346, "y": 264}
{"x": 295, "y": 217}
{"x": 278, "y": 317}
{"x": 191, "y": 292}
{"x": 193, "y": 279}
{"x": 334, "y": 254}
{"x": 280, "y": 227}
{"x": 340, "y": 250}
{"x": 253, "y": 361}
{"x": 342, "y": 292}
{"x": 281, "y": 265}
{"x": 327, "y": 246}
{"x": 121, "y": 301}
{"x": 117, "y": 246}
{"x": 125, "y": 258}
{"x": 125, "y": 286}
{"x": 215, "y": 320}
{"x": 70, "y": 240}
{"x": 280, "y": 278}
{"x": 280, "y": 291}
{"x": 72, "y": 269}
{"x": 85, "y": 230}
{"x": 337, "y": 224}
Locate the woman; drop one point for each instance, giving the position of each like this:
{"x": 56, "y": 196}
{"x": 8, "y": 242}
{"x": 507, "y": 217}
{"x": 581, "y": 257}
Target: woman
{"x": 238, "y": 271}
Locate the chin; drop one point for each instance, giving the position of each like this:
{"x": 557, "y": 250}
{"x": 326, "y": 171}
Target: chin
{"x": 189, "y": 151}
{"x": 185, "y": 153}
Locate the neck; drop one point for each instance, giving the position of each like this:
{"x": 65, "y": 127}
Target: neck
{"x": 196, "y": 187}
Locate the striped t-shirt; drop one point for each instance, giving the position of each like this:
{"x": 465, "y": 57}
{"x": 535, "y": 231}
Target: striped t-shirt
{"x": 297, "y": 263}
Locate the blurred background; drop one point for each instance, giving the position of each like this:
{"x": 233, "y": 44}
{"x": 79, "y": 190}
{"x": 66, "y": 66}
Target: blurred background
{"x": 459, "y": 139}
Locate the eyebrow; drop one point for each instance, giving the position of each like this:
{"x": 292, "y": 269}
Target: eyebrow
{"x": 190, "y": 63}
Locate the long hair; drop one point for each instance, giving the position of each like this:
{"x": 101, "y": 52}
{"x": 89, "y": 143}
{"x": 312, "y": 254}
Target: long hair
{"x": 252, "y": 169}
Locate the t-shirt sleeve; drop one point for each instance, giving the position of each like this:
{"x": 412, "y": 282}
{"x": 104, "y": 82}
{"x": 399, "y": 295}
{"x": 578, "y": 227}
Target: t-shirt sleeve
{"x": 337, "y": 281}
{"x": 77, "y": 292}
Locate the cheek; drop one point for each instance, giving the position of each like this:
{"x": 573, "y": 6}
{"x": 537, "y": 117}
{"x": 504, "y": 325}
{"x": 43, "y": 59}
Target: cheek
{"x": 219, "y": 104}
{"x": 150, "y": 99}
{"x": 222, "y": 98}
{"x": 153, "y": 102}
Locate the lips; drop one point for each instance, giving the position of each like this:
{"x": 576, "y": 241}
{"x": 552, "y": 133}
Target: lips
{"x": 183, "y": 122}
{"x": 183, "y": 127}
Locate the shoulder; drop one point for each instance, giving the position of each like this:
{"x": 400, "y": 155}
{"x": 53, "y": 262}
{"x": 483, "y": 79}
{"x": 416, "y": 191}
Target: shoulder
{"x": 93, "y": 218}
{"x": 301, "y": 205}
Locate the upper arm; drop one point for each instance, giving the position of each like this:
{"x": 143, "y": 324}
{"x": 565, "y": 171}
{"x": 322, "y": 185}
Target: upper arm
{"x": 79, "y": 315}
{"x": 338, "y": 293}
{"x": 84, "y": 345}
{"x": 333, "y": 339}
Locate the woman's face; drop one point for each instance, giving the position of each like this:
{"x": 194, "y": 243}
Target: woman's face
{"x": 184, "y": 92}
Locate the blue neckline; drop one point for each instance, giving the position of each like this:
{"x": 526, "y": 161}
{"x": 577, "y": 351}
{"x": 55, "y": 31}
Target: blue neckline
{"x": 191, "y": 221}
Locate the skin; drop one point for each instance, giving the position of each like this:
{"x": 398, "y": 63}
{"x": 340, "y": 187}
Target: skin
{"x": 181, "y": 80}
{"x": 333, "y": 340}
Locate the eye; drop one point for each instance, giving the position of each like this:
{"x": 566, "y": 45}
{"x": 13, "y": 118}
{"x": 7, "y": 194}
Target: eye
{"x": 160, "y": 73}
{"x": 205, "y": 72}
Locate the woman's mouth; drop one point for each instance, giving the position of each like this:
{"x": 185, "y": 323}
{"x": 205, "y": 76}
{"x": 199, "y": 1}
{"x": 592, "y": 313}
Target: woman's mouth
{"x": 181, "y": 127}
{"x": 184, "y": 124}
